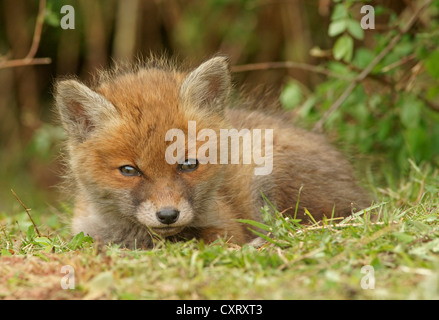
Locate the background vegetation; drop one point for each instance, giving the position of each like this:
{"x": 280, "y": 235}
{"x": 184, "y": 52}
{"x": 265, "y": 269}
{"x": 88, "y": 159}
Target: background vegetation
{"x": 373, "y": 92}
{"x": 390, "y": 116}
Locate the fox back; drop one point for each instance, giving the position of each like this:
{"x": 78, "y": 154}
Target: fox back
{"x": 125, "y": 188}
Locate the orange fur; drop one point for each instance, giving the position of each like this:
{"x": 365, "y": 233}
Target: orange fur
{"x": 123, "y": 120}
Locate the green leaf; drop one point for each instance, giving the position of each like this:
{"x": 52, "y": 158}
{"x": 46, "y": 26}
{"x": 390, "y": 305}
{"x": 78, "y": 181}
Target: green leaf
{"x": 410, "y": 111}
{"x": 363, "y": 57}
{"x": 307, "y": 106}
{"x": 5, "y": 252}
{"x": 343, "y": 48}
{"x": 355, "y": 30}
{"x": 78, "y": 241}
{"x": 30, "y": 233}
{"x": 43, "y": 241}
{"x": 432, "y": 64}
{"x": 310, "y": 216}
{"x": 384, "y": 126}
{"x": 255, "y": 224}
{"x": 51, "y": 18}
{"x": 340, "y": 12}
{"x": 337, "y": 27}
{"x": 291, "y": 95}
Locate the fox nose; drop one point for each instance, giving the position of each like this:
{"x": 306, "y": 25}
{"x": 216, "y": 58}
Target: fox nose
{"x": 168, "y": 215}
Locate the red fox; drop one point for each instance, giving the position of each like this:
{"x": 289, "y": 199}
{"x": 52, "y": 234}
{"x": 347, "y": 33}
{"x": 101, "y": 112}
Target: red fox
{"x": 124, "y": 186}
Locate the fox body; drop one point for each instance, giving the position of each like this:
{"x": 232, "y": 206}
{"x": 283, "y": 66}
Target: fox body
{"x": 124, "y": 189}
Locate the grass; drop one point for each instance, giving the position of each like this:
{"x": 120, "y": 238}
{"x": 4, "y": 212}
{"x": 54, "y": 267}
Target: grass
{"x": 398, "y": 239}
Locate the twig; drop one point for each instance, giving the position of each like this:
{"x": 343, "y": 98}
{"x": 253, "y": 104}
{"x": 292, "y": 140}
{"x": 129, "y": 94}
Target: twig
{"x": 341, "y": 225}
{"x": 432, "y": 105}
{"x": 398, "y": 63}
{"x": 24, "y": 62}
{"x": 318, "y": 127}
{"x": 285, "y": 65}
{"x": 29, "y": 59}
{"x": 37, "y": 31}
{"x": 417, "y": 68}
{"x": 27, "y": 211}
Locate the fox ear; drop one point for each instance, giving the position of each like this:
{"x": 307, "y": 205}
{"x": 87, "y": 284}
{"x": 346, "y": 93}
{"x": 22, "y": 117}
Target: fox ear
{"x": 81, "y": 109}
{"x": 208, "y": 86}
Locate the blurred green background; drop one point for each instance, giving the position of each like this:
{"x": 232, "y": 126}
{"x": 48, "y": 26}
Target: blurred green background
{"x": 392, "y": 116}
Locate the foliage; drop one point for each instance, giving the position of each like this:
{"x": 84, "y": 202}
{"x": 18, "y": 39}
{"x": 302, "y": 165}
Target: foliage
{"x": 393, "y": 112}
{"x": 398, "y": 238}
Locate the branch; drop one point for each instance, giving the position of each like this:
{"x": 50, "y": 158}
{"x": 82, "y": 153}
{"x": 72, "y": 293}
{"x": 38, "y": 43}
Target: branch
{"x": 29, "y": 59}
{"x": 27, "y": 211}
{"x": 24, "y": 62}
{"x": 37, "y": 31}
{"x": 318, "y": 127}
{"x": 432, "y": 105}
{"x": 287, "y": 65}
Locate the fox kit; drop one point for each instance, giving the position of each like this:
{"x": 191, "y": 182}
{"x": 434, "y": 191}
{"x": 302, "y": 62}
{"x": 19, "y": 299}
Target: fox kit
{"x": 124, "y": 187}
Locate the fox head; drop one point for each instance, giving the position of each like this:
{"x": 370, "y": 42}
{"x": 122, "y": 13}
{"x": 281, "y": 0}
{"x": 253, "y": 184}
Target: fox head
{"x": 116, "y": 142}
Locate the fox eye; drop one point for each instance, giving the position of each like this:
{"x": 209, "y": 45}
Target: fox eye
{"x": 188, "y": 165}
{"x": 129, "y": 171}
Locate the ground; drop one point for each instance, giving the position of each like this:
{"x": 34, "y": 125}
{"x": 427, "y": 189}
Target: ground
{"x": 390, "y": 251}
